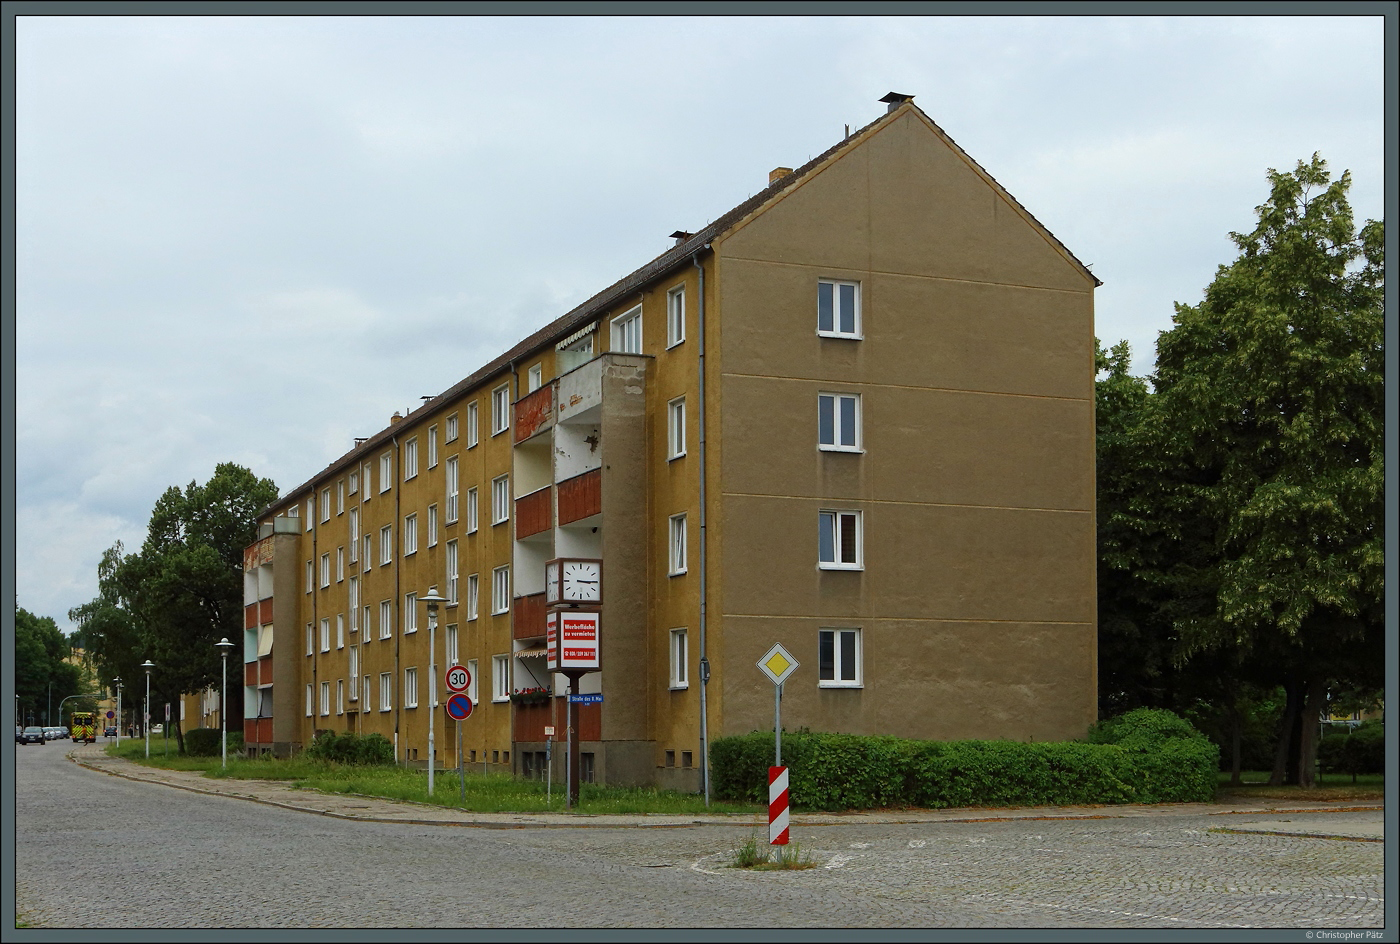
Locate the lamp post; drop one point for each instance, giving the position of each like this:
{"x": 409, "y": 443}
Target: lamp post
{"x": 146, "y": 720}
{"x": 433, "y": 601}
{"x": 118, "y": 682}
{"x": 224, "y": 646}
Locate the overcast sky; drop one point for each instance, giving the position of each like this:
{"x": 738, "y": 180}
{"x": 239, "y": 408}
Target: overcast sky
{"x": 253, "y": 239}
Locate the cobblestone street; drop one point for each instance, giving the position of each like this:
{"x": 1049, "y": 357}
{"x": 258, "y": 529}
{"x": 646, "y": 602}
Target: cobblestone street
{"x": 1195, "y": 867}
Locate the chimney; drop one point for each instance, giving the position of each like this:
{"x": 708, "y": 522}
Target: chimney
{"x": 894, "y": 100}
{"x": 396, "y": 418}
{"x": 681, "y": 236}
{"x": 777, "y": 174}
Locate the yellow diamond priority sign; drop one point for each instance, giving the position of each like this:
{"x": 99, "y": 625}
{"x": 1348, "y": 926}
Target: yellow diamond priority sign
{"x": 777, "y": 663}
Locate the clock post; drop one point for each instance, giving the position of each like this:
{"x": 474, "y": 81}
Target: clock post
{"x": 574, "y": 594}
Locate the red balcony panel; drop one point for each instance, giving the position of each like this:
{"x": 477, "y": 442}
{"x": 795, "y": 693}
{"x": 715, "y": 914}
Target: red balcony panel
{"x": 264, "y": 730}
{"x": 528, "y": 721}
{"x": 250, "y": 616}
{"x": 250, "y": 673}
{"x": 532, "y": 512}
{"x": 265, "y": 670}
{"x": 527, "y": 616}
{"x": 265, "y": 612}
{"x": 250, "y": 730}
{"x": 533, "y": 412}
{"x": 581, "y": 496}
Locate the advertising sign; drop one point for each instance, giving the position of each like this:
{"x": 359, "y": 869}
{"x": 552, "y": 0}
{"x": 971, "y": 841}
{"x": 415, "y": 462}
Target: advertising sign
{"x": 577, "y": 642}
{"x": 551, "y": 627}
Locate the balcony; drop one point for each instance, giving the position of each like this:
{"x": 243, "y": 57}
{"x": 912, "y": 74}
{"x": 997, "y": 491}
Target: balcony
{"x": 527, "y": 617}
{"x": 534, "y": 413}
{"x": 581, "y": 496}
{"x": 532, "y": 512}
{"x": 528, "y": 721}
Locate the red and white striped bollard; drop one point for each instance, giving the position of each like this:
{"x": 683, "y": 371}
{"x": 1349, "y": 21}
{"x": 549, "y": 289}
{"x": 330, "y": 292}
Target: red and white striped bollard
{"x": 777, "y": 806}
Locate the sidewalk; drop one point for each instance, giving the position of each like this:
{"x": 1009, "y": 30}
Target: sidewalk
{"x": 1306, "y": 818}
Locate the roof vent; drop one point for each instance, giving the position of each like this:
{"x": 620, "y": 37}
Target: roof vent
{"x": 895, "y": 99}
{"x": 681, "y": 236}
{"x": 777, "y": 174}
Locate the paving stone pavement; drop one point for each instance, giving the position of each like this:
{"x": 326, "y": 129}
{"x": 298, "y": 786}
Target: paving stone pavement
{"x": 372, "y": 863}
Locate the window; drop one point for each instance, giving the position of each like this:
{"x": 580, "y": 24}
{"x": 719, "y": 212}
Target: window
{"x": 310, "y": 513}
{"x": 325, "y": 570}
{"x": 471, "y": 424}
{"x": 354, "y": 480}
{"x": 500, "y": 590}
{"x": 432, "y": 526}
{"x": 354, "y": 535}
{"x": 410, "y": 459}
{"x": 410, "y": 613}
{"x": 325, "y": 634}
{"x": 500, "y": 500}
{"x": 311, "y": 639}
{"x": 340, "y": 630}
{"x": 366, "y": 636}
{"x": 838, "y": 309}
{"x": 840, "y": 540}
{"x": 450, "y": 642}
{"x": 410, "y": 688}
{"x": 386, "y": 619}
{"x": 366, "y": 703}
{"x": 473, "y": 594}
{"x": 575, "y": 354}
{"x": 369, "y": 479}
{"x": 339, "y": 565}
{"x": 369, "y": 551}
{"x": 353, "y": 596}
{"x": 675, "y": 428}
{"x": 310, "y": 700}
{"x": 386, "y": 691}
{"x": 310, "y": 576}
{"x": 534, "y": 378}
{"x": 432, "y": 447}
{"x": 675, "y": 316}
{"x": 471, "y": 510}
{"x": 325, "y": 698}
{"x": 450, "y": 473}
{"x": 325, "y": 504}
{"x": 410, "y": 535}
{"x": 340, "y": 497}
{"x": 354, "y": 671}
{"x": 680, "y": 677}
{"x": 677, "y": 544}
{"x": 627, "y": 332}
{"x": 500, "y": 409}
{"x": 451, "y": 573}
{"x": 838, "y": 422}
{"x": 451, "y": 433}
{"x": 340, "y": 696}
{"x": 500, "y": 678}
{"x": 386, "y": 544}
{"x": 838, "y": 658}
{"x": 471, "y": 687}
{"x": 386, "y": 471}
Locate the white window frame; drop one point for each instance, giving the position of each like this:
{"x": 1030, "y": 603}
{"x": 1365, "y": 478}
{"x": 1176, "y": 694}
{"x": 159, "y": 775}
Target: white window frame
{"x": 311, "y": 639}
{"x": 386, "y": 619}
{"x": 471, "y": 686}
{"x": 835, "y": 330}
{"x": 325, "y": 504}
{"x": 340, "y": 564}
{"x": 626, "y": 335}
{"x": 386, "y": 691}
{"x": 680, "y": 659}
{"x": 838, "y": 667}
{"x": 410, "y": 613}
{"x": 340, "y": 696}
{"x": 310, "y": 513}
{"x": 340, "y": 630}
{"x": 450, "y": 430}
{"x": 471, "y": 510}
{"x": 325, "y": 698}
{"x": 450, "y": 489}
{"x": 367, "y": 701}
{"x": 451, "y": 643}
{"x": 432, "y": 447}
{"x": 310, "y": 700}
{"x": 410, "y": 534}
{"x": 386, "y": 471}
{"x": 354, "y": 672}
{"x": 325, "y": 634}
{"x": 473, "y": 429}
{"x": 838, "y": 426}
{"x": 500, "y": 590}
{"x": 500, "y": 678}
{"x": 354, "y": 482}
{"x": 675, "y": 316}
{"x": 831, "y": 518}
{"x": 534, "y": 378}
{"x": 500, "y": 499}
{"x": 452, "y": 564}
{"x": 367, "y": 492}
{"x": 354, "y": 522}
{"x": 310, "y": 576}
{"x": 473, "y": 595}
{"x": 410, "y": 459}
{"x": 369, "y": 551}
{"x": 325, "y": 570}
{"x": 368, "y": 611}
{"x": 386, "y": 545}
{"x": 677, "y": 545}
{"x": 410, "y": 687}
{"x": 340, "y": 497}
{"x": 675, "y": 428}
{"x": 500, "y": 409}
{"x": 432, "y": 526}
{"x": 352, "y": 596}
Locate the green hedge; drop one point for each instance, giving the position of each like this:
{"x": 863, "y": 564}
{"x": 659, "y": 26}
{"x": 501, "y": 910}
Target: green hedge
{"x": 1359, "y": 750}
{"x": 202, "y": 742}
{"x": 350, "y": 748}
{"x": 1147, "y": 756}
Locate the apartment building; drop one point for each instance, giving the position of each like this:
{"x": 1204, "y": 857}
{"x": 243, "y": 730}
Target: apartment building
{"x": 853, "y": 415}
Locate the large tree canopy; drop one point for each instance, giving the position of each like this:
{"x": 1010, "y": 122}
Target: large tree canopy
{"x": 1247, "y": 494}
{"x": 42, "y": 676}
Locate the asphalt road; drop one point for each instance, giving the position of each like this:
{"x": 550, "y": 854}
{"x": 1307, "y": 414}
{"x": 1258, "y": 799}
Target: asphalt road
{"x": 217, "y": 862}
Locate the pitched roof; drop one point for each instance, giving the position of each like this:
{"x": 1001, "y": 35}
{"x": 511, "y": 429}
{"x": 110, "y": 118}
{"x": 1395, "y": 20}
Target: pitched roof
{"x": 680, "y": 254}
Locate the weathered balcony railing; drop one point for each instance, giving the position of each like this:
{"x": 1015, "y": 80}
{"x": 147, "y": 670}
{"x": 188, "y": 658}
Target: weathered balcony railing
{"x": 581, "y": 496}
{"x": 534, "y": 412}
{"x": 532, "y": 512}
{"x": 527, "y": 617}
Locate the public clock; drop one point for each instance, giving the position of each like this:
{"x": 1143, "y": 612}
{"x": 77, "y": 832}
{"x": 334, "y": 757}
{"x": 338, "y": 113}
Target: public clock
{"x": 581, "y": 581}
{"x": 551, "y": 581}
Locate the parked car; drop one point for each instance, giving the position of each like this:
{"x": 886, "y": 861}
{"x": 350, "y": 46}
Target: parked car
{"x": 53, "y": 734}
{"x": 33, "y": 735}
{"x": 111, "y": 731}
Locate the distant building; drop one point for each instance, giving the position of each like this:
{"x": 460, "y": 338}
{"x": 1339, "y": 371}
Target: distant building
{"x": 883, "y": 367}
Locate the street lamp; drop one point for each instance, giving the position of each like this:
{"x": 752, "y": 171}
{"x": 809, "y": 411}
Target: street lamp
{"x": 433, "y": 601}
{"x": 146, "y": 721}
{"x": 224, "y": 646}
{"x": 118, "y": 682}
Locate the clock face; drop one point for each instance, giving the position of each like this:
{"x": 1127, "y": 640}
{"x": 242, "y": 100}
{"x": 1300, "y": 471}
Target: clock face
{"x": 551, "y": 582}
{"x": 580, "y": 581}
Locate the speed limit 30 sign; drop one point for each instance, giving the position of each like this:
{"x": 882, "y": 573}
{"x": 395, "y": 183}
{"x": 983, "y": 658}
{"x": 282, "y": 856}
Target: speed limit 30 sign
{"x": 458, "y": 679}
